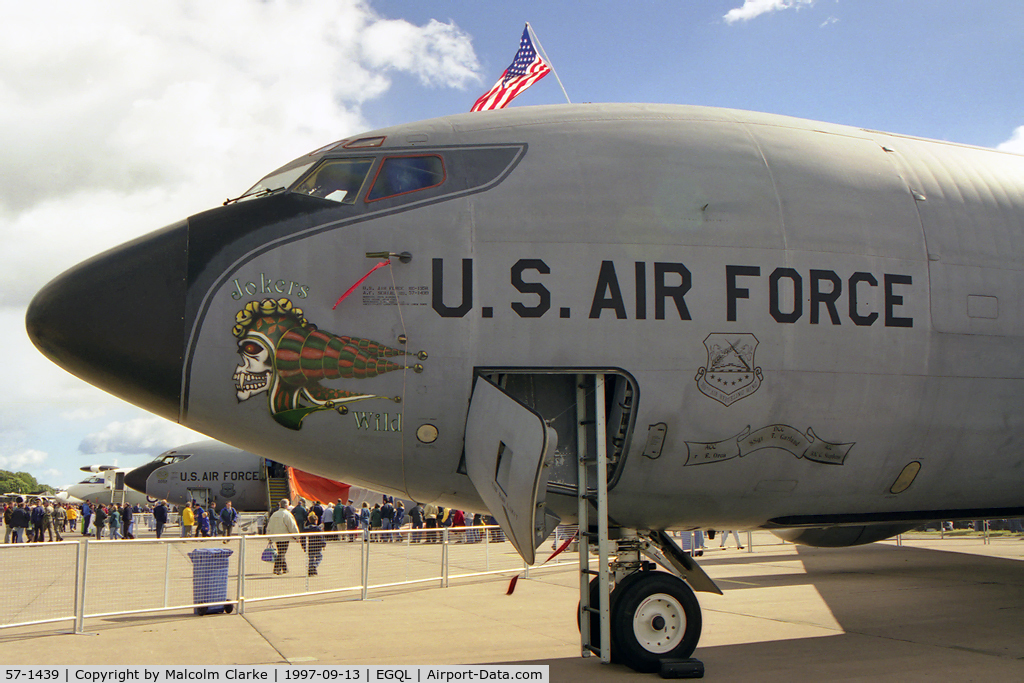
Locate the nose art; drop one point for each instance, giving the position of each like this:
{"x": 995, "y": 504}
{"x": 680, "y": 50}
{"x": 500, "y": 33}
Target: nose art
{"x": 117, "y": 320}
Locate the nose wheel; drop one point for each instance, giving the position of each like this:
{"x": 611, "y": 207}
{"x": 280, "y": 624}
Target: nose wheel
{"x": 659, "y": 623}
{"x": 655, "y": 616}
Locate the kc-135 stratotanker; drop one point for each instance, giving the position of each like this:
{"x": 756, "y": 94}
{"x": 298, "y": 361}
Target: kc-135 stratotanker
{"x": 638, "y": 317}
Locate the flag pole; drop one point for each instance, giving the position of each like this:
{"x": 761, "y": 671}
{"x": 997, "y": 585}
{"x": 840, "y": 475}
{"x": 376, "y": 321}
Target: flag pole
{"x": 545, "y": 56}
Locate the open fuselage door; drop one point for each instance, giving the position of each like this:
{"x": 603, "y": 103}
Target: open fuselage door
{"x": 509, "y": 449}
{"x": 200, "y": 495}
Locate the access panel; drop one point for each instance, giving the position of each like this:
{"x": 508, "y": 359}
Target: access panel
{"x": 508, "y": 452}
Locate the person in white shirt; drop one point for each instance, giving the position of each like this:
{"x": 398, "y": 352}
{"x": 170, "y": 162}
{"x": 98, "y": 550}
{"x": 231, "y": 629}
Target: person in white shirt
{"x": 281, "y": 522}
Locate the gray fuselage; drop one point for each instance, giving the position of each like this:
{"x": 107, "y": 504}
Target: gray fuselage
{"x": 817, "y": 324}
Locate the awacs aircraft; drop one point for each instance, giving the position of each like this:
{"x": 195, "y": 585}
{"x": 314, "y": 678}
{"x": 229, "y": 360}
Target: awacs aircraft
{"x": 211, "y": 471}
{"x": 105, "y": 484}
{"x": 748, "y": 320}
{"x": 62, "y": 496}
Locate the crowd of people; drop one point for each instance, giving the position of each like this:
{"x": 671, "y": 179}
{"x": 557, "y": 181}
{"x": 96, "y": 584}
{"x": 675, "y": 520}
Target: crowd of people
{"x": 197, "y": 521}
{"x": 387, "y": 516}
{"x": 40, "y": 520}
{"x": 37, "y": 521}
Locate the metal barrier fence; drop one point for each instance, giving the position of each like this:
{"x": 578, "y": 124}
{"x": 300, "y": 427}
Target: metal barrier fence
{"x": 41, "y": 582}
{"x": 74, "y": 581}
{"x": 121, "y": 577}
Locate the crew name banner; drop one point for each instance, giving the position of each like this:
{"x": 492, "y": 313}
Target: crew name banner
{"x": 805, "y": 445}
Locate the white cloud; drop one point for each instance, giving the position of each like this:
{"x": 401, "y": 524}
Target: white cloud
{"x": 17, "y": 462}
{"x": 84, "y": 413}
{"x": 120, "y": 117}
{"x": 129, "y": 116}
{"x": 40, "y": 388}
{"x": 141, "y": 436}
{"x": 755, "y": 8}
{"x": 437, "y": 53}
{"x": 1015, "y": 143}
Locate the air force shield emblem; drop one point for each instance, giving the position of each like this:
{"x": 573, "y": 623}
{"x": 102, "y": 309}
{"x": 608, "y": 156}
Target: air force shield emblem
{"x": 730, "y": 373}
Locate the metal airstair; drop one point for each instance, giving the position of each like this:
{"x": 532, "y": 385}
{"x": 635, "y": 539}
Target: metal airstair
{"x": 277, "y": 488}
{"x": 592, "y": 533}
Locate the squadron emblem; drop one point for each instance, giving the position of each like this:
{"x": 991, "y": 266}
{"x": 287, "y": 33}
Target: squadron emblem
{"x": 730, "y": 373}
{"x": 286, "y": 356}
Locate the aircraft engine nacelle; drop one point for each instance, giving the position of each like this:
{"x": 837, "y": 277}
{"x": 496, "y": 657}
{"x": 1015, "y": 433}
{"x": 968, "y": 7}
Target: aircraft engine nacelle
{"x": 97, "y": 468}
{"x": 842, "y": 536}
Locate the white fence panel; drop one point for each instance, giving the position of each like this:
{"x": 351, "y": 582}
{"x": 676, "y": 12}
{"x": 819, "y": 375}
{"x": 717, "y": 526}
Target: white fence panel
{"x": 406, "y": 556}
{"x": 149, "y": 575}
{"x": 74, "y": 581}
{"x": 300, "y": 564}
{"x": 477, "y": 550}
{"x": 40, "y": 582}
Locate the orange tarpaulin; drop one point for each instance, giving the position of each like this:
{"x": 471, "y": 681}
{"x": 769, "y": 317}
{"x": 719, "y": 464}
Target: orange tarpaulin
{"x": 314, "y": 488}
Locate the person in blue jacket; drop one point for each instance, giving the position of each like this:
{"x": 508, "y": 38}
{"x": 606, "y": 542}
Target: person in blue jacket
{"x": 86, "y": 517}
{"x": 228, "y": 518}
{"x": 204, "y": 523}
{"x": 315, "y": 545}
{"x": 160, "y": 516}
{"x": 37, "y": 515}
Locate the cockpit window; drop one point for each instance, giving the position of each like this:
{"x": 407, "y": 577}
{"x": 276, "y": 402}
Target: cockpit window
{"x": 171, "y": 459}
{"x": 92, "y": 480}
{"x": 274, "y": 182}
{"x": 399, "y": 175}
{"x": 336, "y": 179}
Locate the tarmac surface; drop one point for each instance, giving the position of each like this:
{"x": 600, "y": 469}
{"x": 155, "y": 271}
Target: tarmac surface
{"x": 929, "y": 610}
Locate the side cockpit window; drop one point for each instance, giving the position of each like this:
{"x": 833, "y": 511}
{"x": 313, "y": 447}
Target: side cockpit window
{"x": 401, "y": 175}
{"x": 338, "y": 180}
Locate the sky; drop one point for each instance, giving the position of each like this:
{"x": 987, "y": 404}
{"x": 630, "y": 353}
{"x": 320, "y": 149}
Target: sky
{"x": 117, "y": 118}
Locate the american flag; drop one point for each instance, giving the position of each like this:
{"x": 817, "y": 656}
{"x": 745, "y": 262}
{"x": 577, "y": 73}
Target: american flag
{"x": 527, "y": 68}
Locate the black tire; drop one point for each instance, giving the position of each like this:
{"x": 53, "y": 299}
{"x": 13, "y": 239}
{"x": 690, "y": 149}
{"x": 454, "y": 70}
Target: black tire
{"x": 655, "y": 616}
{"x": 228, "y": 609}
{"x": 595, "y": 620}
{"x": 201, "y": 611}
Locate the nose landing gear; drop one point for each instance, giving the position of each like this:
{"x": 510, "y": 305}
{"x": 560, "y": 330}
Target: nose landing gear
{"x": 655, "y": 616}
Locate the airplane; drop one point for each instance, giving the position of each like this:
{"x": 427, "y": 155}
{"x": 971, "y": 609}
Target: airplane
{"x": 212, "y": 471}
{"x": 641, "y": 317}
{"x": 204, "y": 471}
{"x": 105, "y": 484}
{"x": 63, "y": 496}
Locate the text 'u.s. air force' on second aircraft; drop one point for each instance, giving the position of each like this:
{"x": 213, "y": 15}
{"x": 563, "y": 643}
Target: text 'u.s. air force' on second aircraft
{"x": 854, "y": 296}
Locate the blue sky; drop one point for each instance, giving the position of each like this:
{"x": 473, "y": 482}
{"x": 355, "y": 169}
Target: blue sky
{"x": 939, "y": 69}
{"x": 117, "y": 119}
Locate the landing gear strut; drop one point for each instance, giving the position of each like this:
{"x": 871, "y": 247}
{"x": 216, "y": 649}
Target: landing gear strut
{"x": 655, "y": 619}
{"x": 651, "y": 620}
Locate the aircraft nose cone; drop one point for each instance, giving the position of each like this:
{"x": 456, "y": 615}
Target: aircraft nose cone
{"x": 117, "y": 320}
{"x": 136, "y": 478}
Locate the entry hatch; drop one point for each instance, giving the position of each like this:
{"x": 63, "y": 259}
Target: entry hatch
{"x": 509, "y": 449}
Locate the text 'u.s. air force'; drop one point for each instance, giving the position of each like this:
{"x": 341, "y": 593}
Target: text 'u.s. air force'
{"x": 667, "y": 290}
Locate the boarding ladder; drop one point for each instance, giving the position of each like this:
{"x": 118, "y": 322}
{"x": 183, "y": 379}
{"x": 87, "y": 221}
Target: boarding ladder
{"x": 277, "y": 488}
{"x": 598, "y": 496}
